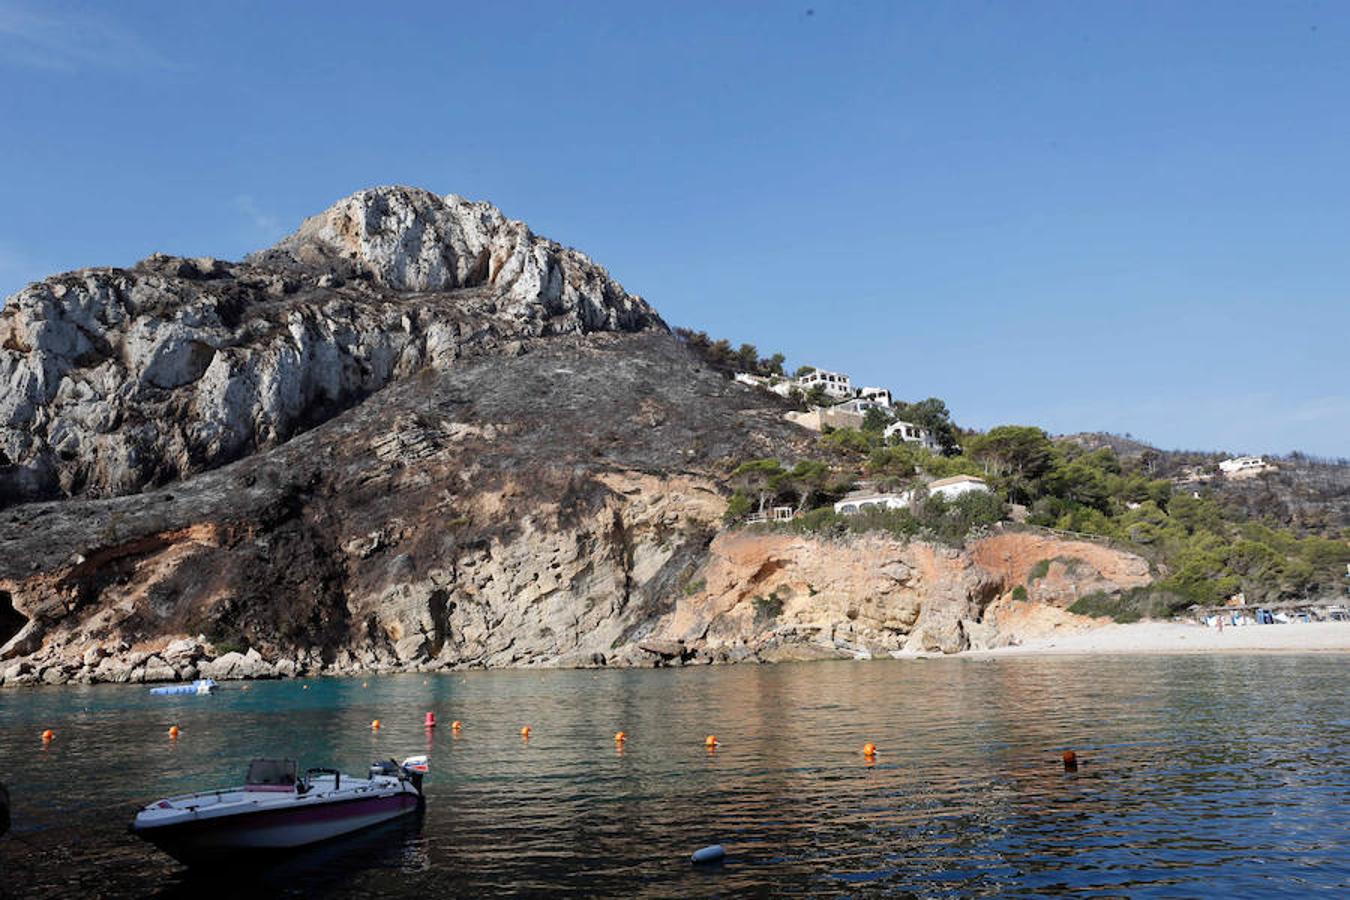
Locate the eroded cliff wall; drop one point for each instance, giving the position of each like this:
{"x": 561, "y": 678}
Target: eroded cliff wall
{"x": 773, "y": 596}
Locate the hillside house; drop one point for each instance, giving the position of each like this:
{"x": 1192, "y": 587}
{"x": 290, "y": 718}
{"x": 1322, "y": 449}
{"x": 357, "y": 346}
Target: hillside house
{"x": 863, "y": 500}
{"x": 835, "y": 384}
{"x": 911, "y": 433}
{"x": 882, "y": 396}
{"x": 1244, "y": 467}
{"x": 956, "y": 485}
{"x": 859, "y": 405}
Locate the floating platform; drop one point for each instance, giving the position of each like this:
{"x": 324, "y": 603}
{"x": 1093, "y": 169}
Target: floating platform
{"x": 200, "y": 686}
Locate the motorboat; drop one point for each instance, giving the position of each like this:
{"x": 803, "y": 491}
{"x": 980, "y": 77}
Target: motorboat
{"x": 200, "y": 686}
{"x": 278, "y": 809}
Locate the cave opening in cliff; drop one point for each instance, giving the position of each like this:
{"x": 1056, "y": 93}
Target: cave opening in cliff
{"x": 11, "y": 620}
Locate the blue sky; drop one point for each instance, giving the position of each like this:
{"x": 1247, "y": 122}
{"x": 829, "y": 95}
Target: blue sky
{"x": 1123, "y": 216}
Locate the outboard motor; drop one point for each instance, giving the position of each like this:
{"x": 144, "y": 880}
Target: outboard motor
{"x": 414, "y": 769}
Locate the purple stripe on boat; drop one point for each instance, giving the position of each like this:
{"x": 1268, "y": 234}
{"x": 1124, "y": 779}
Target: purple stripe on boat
{"x": 329, "y": 812}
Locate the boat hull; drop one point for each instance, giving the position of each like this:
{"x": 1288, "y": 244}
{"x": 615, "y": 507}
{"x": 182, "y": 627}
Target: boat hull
{"x": 275, "y": 830}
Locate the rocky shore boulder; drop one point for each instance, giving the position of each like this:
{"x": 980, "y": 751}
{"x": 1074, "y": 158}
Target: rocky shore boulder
{"x": 157, "y": 669}
{"x": 236, "y": 665}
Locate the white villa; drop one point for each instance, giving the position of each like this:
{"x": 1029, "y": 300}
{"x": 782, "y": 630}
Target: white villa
{"x": 955, "y": 486}
{"x": 868, "y": 497}
{"x": 859, "y": 405}
{"x": 1245, "y": 466}
{"x": 860, "y": 501}
{"x": 836, "y": 384}
{"x": 882, "y": 396}
{"x": 848, "y": 406}
{"x": 908, "y": 431}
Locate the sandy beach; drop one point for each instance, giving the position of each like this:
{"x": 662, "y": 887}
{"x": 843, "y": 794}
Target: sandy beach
{"x": 1174, "y": 637}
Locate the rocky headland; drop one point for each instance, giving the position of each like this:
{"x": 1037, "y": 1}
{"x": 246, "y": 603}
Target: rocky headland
{"x": 414, "y": 435}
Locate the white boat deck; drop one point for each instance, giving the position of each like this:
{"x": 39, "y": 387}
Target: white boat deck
{"x": 232, "y": 801}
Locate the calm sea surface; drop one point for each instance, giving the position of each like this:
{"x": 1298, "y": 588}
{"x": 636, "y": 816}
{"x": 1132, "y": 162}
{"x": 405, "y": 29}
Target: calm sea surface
{"x": 1199, "y": 776}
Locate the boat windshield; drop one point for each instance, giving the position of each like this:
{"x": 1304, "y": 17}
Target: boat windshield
{"x": 271, "y": 775}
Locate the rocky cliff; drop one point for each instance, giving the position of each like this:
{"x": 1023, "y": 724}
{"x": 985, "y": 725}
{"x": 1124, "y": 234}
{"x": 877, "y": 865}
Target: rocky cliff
{"x": 773, "y": 596}
{"x": 112, "y": 380}
{"x": 411, "y": 435}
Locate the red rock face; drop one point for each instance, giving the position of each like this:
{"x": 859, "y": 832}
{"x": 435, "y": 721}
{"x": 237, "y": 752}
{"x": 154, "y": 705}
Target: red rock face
{"x": 785, "y": 596}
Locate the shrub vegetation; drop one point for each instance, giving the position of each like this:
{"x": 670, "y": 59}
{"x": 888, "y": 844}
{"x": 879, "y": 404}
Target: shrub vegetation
{"x": 1206, "y": 550}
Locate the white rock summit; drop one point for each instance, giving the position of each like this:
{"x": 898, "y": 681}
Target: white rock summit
{"x": 412, "y": 240}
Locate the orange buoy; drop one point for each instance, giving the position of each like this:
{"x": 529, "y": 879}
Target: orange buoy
{"x": 456, "y": 725}
{"x": 48, "y": 736}
{"x": 620, "y": 737}
{"x": 1070, "y": 761}
{"x": 365, "y": 684}
{"x": 525, "y": 732}
{"x": 711, "y": 742}
{"x": 173, "y": 732}
{"x": 430, "y": 721}
{"x": 869, "y": 749}
{"x": 375, "y": 725}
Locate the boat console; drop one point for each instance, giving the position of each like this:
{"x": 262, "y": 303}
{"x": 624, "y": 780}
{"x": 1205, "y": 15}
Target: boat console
{"x": 308, "y": 781}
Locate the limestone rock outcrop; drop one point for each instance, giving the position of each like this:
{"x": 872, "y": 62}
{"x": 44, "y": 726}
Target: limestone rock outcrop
{"x": 411, "y": 240}
{"x": 112, "y": 380}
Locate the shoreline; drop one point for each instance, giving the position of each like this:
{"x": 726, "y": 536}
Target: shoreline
{"x": 1137, "y": 638}
{"x": 1184, "y": 638}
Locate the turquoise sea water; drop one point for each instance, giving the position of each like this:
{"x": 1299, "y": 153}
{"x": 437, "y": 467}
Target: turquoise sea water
{"x": 1199, "y": 776}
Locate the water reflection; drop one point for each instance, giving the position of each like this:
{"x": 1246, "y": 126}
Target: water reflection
{"x": 1196, "y": 775}
{"x": 392, "y": 847}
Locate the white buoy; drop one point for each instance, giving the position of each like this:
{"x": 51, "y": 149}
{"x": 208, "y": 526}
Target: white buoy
{"x": 715, "y": 853}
